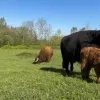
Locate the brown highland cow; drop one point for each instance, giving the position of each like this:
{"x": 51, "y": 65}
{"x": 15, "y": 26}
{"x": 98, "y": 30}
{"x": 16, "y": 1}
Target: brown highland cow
{"x": 90, "y": 58}
{"x": 44, "y": 55}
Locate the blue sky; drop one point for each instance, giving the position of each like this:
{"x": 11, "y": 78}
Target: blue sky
{"x": 63, "y": 14}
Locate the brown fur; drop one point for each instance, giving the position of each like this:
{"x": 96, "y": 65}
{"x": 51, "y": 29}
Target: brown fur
{"x": 44, "y": 55}
{"x": 90, "y": 58}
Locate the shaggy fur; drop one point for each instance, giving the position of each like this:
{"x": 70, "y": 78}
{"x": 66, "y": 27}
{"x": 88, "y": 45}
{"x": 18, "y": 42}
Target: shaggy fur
{"x": 90, "y": 57}
{"x": 44, "y": 55}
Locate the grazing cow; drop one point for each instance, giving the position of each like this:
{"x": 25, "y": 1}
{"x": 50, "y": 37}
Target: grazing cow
{"x": 90, "y": 57}
{"x": 72, "y": 44}
{"x": 44, "y": 55}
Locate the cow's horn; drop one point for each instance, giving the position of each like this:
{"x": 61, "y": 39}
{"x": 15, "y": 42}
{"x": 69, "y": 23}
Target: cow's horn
{"x": 37, "y": 59}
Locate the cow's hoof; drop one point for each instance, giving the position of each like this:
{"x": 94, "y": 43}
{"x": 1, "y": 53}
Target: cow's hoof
{"x": 66, "y": 74}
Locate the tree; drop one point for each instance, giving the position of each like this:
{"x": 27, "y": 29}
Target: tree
{"x": 83, "y": 29}
{"x": 43, "y": 28}
{"x": 87, "y": 26}
{"x": 58, "y": 33}
{"x": 30, "y": 25}
{"x": 48, "y": 31}
{"x": 7, "y": 40}
{"x": 3, "y": 22}
{"x": 73, "y": 30}
{"x": 56, "y": 38}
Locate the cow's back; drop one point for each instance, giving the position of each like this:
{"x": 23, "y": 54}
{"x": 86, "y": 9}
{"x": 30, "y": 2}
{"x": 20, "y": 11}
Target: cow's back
{"x": 45, "y": 52}
{"x": 91, "y": 55}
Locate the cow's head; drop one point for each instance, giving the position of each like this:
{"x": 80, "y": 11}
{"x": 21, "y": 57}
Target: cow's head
{"x": 37, "y": 60}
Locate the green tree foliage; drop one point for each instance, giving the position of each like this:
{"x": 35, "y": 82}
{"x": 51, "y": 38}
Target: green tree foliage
{"x": 83, "y": 29}
{"x": 56, "y": 38}
{"x": 3, "y": 22}
{"x": 73, "y": 30}
{"x": 30, "y": 33}
{"x": 43, "y": 28}
{"x": 30, "y": 25}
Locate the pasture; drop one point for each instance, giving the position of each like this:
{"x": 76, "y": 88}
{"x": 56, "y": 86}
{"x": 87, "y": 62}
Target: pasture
{"x": 22, "y": 80}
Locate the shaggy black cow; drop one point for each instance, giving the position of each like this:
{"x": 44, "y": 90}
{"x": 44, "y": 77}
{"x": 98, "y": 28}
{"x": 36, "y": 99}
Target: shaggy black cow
{"x": 72, "y": 44}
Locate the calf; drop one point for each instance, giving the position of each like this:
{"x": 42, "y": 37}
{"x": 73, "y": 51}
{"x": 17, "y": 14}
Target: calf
{"x": 90, "y": 58}
{"x": 44, "y": 55}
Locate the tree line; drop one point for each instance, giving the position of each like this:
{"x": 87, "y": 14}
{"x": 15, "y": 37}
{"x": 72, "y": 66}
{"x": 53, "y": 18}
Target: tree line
{"x": 30, "y": 33}
{"x": 75, "y": 29}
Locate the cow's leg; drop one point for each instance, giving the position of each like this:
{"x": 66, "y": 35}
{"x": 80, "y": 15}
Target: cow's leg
{"x": 84, "y": 69}
{"x": 65, "y": 67}
{"x": 85, "y": 73}
{"x": 71, "y": 66}
{"x": 65, "y": 61}
{"x": 88, "y": 72}
{"x": 48, "y": 59}
{"x": 97, "y": 71}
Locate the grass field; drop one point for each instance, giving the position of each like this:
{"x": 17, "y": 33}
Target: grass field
{"x": 22, "y": 80}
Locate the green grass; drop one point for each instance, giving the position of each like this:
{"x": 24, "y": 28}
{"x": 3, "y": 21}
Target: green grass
{"x": 22, "y": 80}
{"x": 27, "y": 46}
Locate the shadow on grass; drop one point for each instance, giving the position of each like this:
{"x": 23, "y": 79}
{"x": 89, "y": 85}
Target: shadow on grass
{"x": 62, "y": 72}
{"x": 25, "y": 54}
{"x": 90, "y": 80}
{"x": 50, "y": 69}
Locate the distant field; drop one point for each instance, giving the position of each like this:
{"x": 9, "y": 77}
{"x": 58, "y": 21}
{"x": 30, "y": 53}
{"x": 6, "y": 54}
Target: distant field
{"x": 22, "y": 80}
